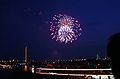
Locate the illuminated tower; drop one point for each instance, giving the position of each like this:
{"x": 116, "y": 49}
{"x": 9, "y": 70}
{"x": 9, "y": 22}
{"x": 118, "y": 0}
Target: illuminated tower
{"x": 26, "y": 59}
{"x": 97, "y": 57}
{"x": 26, "y": 55}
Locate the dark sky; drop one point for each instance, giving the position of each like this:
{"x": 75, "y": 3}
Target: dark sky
{"x": 26, "y": 23}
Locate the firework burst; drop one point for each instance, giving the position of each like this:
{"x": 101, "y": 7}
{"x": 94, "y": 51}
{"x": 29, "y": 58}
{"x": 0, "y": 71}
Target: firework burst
{"x": 65, "y": 28}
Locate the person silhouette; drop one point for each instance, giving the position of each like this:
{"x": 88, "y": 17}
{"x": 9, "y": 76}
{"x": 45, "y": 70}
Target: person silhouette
{"x": 113, "y": 50}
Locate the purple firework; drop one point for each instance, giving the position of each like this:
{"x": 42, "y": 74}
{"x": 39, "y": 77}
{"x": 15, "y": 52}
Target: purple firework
{"x": 65, "y": 28}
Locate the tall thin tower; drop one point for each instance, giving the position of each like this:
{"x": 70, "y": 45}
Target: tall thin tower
{"x": 26, "y": 55}
{"x": 26, "y": 59}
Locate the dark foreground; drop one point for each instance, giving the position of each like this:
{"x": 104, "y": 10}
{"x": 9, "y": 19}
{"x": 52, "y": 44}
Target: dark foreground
{"x": 17, "y": 74}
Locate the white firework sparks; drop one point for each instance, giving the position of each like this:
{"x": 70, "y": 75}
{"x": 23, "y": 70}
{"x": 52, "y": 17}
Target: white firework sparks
{"x": 65, "y": 28}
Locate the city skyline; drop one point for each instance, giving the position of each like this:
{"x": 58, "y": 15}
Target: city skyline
{"x": 26, "y": 23}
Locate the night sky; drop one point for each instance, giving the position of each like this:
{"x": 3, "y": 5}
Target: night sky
{"x": 26, "y": 23}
